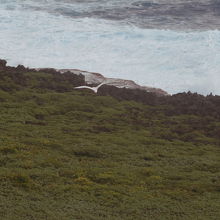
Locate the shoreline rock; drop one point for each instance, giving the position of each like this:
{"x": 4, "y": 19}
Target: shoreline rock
{"x": 96, "y": 78}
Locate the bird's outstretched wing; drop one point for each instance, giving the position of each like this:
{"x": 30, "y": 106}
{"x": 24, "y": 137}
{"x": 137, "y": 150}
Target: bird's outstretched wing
{"x": 82, "y": 87}
{"x": 102, "y": 83}
{"x": 85, "y": 87}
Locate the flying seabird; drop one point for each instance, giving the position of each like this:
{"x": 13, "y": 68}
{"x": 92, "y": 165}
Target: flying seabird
{"x": 94, "y": 89}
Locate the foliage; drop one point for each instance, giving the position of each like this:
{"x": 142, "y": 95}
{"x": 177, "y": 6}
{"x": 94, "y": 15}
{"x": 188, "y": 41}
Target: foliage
{"x": 69, "y": 154}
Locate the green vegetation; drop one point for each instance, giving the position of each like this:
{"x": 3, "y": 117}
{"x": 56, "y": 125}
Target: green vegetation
{"x": 67, "y": 154}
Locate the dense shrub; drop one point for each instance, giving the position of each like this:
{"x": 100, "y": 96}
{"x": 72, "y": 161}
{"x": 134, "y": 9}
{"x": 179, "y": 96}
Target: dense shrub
{"x": 122, "y": 154}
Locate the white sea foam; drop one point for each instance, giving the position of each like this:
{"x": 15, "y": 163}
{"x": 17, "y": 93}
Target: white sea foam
{"x": 173, "y": 61}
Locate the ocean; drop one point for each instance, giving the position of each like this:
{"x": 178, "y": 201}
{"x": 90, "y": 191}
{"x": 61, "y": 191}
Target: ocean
{"x": 172, "y": 45}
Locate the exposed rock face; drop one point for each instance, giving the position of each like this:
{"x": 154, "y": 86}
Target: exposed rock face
{"x": 96, "y": 78}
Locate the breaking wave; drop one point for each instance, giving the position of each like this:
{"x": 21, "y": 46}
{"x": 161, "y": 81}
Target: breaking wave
{"x": 174, "y": 61}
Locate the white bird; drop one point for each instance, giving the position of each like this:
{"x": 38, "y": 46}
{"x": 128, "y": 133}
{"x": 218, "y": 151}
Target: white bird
{"x": 94, "y": 89}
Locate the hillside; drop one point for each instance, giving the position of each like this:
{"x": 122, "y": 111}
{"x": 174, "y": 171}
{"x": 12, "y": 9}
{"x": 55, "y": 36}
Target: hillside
{"x": 121, "y": 154}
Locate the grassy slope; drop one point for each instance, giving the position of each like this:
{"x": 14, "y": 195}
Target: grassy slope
{"x": 76, "y": 155}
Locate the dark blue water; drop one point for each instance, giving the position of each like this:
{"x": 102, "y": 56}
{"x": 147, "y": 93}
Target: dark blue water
{"x": 178, "y": 14}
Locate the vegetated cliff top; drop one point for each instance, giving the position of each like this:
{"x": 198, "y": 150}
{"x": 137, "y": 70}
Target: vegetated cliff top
{"x": 20, "y": 77}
